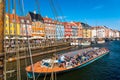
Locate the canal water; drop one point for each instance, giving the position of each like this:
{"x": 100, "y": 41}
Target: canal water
{"x": 106, "y": 68}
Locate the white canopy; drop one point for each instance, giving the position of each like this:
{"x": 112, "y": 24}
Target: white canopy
{"x": 6, "y": 37}
{"x": 36, "y": 37}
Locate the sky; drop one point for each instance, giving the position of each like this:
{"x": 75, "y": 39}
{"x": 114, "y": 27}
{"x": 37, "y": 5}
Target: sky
{"x": 92, "y": 12}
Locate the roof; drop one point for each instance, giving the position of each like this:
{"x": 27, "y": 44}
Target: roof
{"x": 84, "y": 25}
{"x": 35, "y": 17}
{"x": 47, "y": 19}
{"x": 25, "y": 18}
{"x": 13, "y": 18}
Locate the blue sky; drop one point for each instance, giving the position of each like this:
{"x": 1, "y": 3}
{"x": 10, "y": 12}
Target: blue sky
{"x": 93, "y": 12}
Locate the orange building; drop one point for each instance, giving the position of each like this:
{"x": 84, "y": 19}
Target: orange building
{"x": 38, "y": 28}
{"x": 80, "y": 33}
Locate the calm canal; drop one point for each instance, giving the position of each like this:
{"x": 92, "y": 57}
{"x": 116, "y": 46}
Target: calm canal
{"x": 106, "y": 68}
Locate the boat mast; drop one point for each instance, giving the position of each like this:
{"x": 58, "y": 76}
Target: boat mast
{"x": 2, "y": 10}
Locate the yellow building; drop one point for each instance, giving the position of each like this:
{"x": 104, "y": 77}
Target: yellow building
{"x": 12, "y": 25}
{"x": 87, "y": 33}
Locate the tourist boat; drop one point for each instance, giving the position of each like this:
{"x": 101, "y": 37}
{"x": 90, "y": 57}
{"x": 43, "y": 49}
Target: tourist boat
{"x": 100, "y": 41}
{"x": 74, "y": 43}
{"x": 86, "y": 43}
{"x": 48, "y": 66}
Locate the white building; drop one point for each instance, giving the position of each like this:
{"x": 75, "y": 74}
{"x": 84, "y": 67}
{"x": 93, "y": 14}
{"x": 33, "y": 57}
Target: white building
{"x": 94, "y": 32}
{"x": 116, "y": 34}
{"x": 100, "y": 32}
{"x": 111, "y": 33}
{"x": 25, "y": 26}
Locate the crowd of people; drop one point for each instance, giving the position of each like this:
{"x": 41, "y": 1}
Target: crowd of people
{"x": 72, "y": 59}
{"x": 67, "y": 61}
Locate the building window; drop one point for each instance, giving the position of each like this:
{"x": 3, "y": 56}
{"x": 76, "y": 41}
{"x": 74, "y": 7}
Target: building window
{"x": 6, "y": 31}
{"x": 27, "y": 21}
{"x": 22, "y": 21}
{"x": 10, "y": 31}
{"x": 13, "y": 20}
{"x": 6, "y": 25}
{"x": 10, "y": 25}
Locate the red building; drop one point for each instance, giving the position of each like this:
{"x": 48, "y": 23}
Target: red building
{"x": 68, "y": 30}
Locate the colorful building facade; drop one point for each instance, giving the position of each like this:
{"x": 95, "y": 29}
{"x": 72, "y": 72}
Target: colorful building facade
{"x": 93, "y": 32}
{"x": 50, "y": 28}
{"x": 101, "y": 32}
{"x": 59, "y": 30}
{"x": 79, "y": 29}
{"x": 86, "y": 30}
{"x": 25, "y": 26}
{"x": 74, "y": 30}
{"x": 38, "y": 28}
{"x": 68, "y": 30}
{"x": 12, "y": 25}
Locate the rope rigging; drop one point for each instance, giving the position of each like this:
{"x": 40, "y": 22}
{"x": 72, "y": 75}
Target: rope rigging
{"x": 16, "y": 42}
{"x": 20, "y": 3}
{"x": 28, "y": 42}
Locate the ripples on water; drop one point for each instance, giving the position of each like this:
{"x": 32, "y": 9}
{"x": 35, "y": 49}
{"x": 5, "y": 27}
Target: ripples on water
{"x": 106, "y": 68}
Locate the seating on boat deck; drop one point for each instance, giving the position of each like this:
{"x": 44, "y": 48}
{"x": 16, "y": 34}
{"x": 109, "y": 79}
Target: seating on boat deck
{"x": 67, "y": 61}
{"x": 46, "y": 64}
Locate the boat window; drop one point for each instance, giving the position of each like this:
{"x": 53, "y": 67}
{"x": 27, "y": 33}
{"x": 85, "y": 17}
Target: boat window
{"x": 46, "y": 64}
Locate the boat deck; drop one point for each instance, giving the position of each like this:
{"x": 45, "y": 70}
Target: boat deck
{"x": 38, "y": 68}
{"x": 43, "y": 69}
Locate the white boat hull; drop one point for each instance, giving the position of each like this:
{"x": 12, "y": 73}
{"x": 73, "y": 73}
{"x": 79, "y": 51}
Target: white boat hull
{"x": 74, "y": 44}
{"x": 101, "y": 42}
{"x": 86, "y": 44}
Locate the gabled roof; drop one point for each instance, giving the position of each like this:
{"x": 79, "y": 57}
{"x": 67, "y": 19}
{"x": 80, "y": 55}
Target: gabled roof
{"x": 84, "y": 25}
{"x": 35, "y": 17}
{"x": 13, "y": 17}
{"x": 47, "y": 19}
{"x": 25, "y": 18}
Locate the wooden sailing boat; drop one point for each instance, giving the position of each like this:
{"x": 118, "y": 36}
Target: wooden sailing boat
{"x": 66, "y": 62}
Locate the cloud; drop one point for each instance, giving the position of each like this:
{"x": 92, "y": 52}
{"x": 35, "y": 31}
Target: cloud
{"x": 98, "y": 7}
{"x": 61, "y": 17}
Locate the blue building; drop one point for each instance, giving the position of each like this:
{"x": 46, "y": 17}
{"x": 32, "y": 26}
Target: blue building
{"x": 59, "y": 31}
